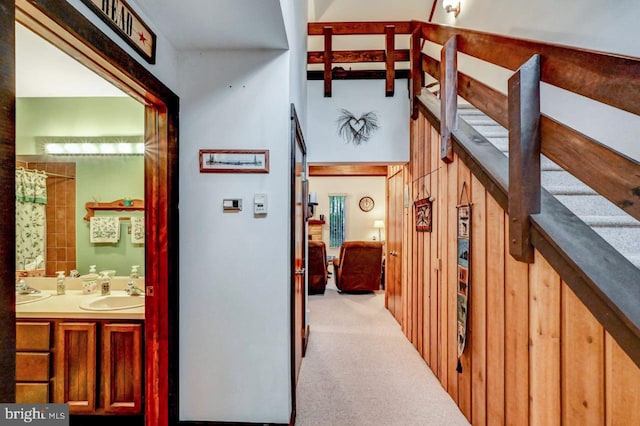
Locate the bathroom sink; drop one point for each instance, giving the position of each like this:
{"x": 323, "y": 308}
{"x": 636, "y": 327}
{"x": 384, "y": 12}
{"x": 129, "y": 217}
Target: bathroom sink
{"x": 29, "y": 298}
{"x": 112, "y": 303}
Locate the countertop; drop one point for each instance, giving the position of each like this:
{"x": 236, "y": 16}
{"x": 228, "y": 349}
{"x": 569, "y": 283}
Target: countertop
{"x": 68, "y": 306}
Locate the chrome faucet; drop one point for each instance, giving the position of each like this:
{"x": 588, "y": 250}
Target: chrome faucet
{"x": 23, "y": 288}
{"x": 132, "y": 290}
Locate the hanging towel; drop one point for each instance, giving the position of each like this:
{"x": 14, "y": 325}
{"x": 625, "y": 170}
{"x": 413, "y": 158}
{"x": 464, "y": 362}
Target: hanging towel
{"x": 137, "y": 229}
{"x": 104, "y": 229}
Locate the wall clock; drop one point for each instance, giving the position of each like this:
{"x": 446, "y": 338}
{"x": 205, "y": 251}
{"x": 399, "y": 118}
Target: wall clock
{"x": 366, "y": 204}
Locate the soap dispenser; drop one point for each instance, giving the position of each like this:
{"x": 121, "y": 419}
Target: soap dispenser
{"x": 134, "y": 272}
{"x": 60, "y": 284}
{"x": 105, "y": 284}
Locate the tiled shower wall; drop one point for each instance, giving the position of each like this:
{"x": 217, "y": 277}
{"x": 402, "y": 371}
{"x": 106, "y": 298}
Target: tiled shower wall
{"x": 61, "y": 215}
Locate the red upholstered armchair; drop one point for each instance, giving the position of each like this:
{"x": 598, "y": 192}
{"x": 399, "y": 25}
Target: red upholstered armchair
{"x": 318, "y": 273}
{"x": 359, "y": 267}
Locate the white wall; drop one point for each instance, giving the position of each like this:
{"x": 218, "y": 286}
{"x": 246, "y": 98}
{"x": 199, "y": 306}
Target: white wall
{"x": 592, "y": 24}
{"x": 389, "y": 144}
{"x": 234, "y": 268}
{"x": 295, "y": 19}
{"x": 359, "y": 225}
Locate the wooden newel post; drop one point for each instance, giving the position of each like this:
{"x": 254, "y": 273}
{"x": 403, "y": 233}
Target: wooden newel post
{"x": 524, "y": 156}
{"x": 415, "y": 83}
{"x": 328, "y": 57}
{"x": 448, "y": 97}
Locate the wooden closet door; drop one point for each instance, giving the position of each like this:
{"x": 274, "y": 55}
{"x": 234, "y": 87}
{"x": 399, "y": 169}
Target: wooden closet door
{"x": 394, "y": 242}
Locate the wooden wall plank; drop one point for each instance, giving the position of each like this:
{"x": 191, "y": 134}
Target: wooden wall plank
{"x": 430, "y": 252}
{"x": 544, "y": 332}
{"x": 437, "y": 295}
{"x": 495, "y": 312}
{"x": 423, "y": 252}
{"x": 516, "y": 334}
{"x": 583, "y": 363}
{"x": 478, "y": 301}
{"x": 622, "y": 386}
{"x": 403, "y": 258}
{"x": 465, "y": 379}
{"x": 448, "y": 175}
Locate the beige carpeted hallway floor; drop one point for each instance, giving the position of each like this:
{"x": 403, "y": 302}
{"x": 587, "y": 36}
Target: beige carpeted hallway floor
{"x": 361, "y": 370}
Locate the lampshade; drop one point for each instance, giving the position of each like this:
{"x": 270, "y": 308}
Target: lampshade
{"x": 378, "y": 223}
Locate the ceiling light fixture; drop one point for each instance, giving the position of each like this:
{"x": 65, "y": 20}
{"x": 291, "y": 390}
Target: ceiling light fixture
{"x": 451, "y": 6}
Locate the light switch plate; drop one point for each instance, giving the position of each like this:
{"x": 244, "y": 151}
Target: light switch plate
{"x": 230, "y": 205}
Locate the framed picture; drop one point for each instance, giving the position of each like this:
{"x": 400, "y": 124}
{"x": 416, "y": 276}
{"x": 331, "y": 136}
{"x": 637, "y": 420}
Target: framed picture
{"x": 234, "y": 161}
{"x": 464, "y": 214}
{"x": 423, "y": 215}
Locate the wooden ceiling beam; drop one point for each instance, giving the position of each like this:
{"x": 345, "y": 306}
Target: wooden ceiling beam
{"x": 358, "y": 28}
{"x": 347, "y": 170}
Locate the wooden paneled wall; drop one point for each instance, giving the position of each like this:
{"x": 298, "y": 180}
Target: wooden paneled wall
{"x": 535, "y": 355}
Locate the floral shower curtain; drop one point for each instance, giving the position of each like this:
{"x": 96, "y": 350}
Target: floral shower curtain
{"x": 31, "y": 197}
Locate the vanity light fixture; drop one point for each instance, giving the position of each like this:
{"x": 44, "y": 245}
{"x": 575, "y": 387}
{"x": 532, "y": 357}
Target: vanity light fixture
{"x": 93, "y": 146}
{"x": 451, "y": 6}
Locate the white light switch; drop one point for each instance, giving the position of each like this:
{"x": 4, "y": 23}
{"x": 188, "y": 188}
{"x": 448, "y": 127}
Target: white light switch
{"x": 232, "y": 204}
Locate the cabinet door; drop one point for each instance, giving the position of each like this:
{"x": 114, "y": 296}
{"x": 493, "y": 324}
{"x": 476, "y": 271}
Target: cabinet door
{"x": 121, "y": 374}
{"x": 75, "y": 366}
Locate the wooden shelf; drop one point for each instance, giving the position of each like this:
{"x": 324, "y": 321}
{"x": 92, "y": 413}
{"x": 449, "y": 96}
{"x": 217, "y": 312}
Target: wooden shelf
{"x": 315, "y": 229}
{"x": 117, "y": 205}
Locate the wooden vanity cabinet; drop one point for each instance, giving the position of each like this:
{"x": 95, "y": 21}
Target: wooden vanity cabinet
{"x": 33, "y": 362}
{"x": 75, "y": 368}
{"x": 98, "y": 367}
{"x": 121, "y": 372}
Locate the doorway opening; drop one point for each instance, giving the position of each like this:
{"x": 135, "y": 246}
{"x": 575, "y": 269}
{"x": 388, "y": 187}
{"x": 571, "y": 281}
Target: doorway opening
{"x": 64, "y": 27}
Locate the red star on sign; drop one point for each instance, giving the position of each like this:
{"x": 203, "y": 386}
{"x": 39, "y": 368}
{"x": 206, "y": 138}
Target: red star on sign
{"x": 143, "y": 39}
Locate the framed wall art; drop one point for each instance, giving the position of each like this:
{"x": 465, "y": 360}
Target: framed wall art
{"x": 234, "y": 161}
{"x": 423, "y": 214}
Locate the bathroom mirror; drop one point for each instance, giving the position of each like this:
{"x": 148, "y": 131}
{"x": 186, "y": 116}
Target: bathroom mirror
{"x": 94, "y": 118}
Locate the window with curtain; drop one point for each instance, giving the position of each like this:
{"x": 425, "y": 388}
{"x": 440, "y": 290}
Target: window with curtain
{"x": 337, "y": 220}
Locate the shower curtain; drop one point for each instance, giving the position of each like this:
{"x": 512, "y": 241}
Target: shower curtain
{"x": 31, "y": 197}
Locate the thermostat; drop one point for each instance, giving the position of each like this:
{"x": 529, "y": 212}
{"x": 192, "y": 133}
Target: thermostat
{"x": 260, "y": 204}
{"x": 232, "y": 205}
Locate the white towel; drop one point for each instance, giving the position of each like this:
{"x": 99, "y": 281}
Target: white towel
{"x": 104, "y": 229}
{"x": 137, "y": 229}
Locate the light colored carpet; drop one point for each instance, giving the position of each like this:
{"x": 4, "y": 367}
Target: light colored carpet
{"x": 361, "y": 370}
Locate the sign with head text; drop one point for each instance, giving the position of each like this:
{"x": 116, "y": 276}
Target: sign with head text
{"x": 126, "y": 22}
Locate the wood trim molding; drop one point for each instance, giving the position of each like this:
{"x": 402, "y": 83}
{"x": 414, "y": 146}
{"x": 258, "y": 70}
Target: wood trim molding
{"x": 7, "y": 208}
{"x": 347, "y": 170}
